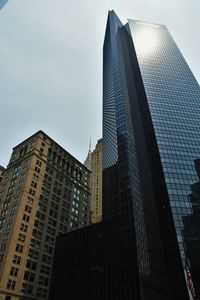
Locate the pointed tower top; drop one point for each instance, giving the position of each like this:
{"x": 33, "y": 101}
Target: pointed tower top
{"x": 87, "y": 162}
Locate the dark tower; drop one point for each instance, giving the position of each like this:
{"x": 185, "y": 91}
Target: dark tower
{"x": 151, "y": 135}
{"x": 134, "y": 184}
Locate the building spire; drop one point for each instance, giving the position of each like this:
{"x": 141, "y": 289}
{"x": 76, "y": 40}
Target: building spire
{"x": 87, "y": 162}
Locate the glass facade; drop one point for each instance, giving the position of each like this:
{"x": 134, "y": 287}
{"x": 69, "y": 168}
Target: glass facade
{"x": 173, "y": 97}
{"x": 191, "y": 234}
{"x": 133, "y": 180}
{"x": 2, "y": 3}
{"x": 134, "y": 252}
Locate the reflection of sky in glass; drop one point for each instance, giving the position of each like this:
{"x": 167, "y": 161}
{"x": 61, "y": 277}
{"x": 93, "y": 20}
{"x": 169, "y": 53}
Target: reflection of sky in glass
{"x": 173, "y": 97}
{"x": 146, "y": 40}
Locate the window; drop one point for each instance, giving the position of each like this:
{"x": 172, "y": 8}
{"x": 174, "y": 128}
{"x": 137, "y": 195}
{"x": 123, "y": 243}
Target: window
{"x": 35, "y": 244}
{"x": 43, "y": 280}
{"x": 48, "y": 249}
{"x": 21, "y": 237}
{"x": 6, "y": 236}
{"x": 37, "y": 234}
{"x": 33, "y": 184}
{"x": 27, "y": 288}
{"x": 46, "y": 259}
{"x": 19, "y": 248}
{"x": 32, "y": 192}
{"x": 33, "y": 254}
{"x": 6, "y": 204}
{"x": 8, "y": 227}
{"x": 42, "y": 292}
{"x": 3, "y": 247}
{"x": 23, "y": 227}
{"x": 52, "y": 222}
{"x": 37, "y": 170}
{"x": 14, "y": 271}
{"x": 38, "y": 163}
{"x": 28, "y": 209}
{"x": 51, "y": 230}
{"x": 26, "y": 218}
{"x": 2, "y": 221}
{"x": 14, "y": 207}
{"x": 16, "y": 259}
{"x": 30, "y": 200}
{"x": 4, "y": 212}
{"x": 11, "y": 217}
{"x": 45, "y": 270}
{"x": 29, "y": 276}
{"x": 49, "y": 239}
{"x": 40, "y": 215}
{"x": 31, "y": 264}
{"x": 38, "y": 224}
{"x": 75, "y": 211}
{"x": 11, "y": 284}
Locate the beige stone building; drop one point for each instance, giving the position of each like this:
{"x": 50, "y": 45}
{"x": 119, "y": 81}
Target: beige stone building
{"x": 45, "y": 192}
{"x": 96, "y": 183}
{"x": 2, "y": 169}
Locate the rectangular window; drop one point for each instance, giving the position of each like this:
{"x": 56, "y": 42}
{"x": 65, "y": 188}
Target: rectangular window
{"x": 31, "y": 264}
{"x": 32, "y": 192}
{"x": 5, "y": 237}
{"x": 8, "y": 227}
{"x": 16, "y": 259}
{"x": 11, "y": 284}
{"x": 33, "y": 253}
{"x": 30, "y": 200}
{"x": 43, "y": 280}
{"x": 45, "y": 270}
{"x": 23, "y": 227}
{"x": 26, "y": 218}
{"x": 19, "y": 248}
{"x": 42, "y": 292}
{"x": 29, "y": 276}
{"x": 11, "y": 217}
{"x": 28, "y": 209}
{"x": 38, "y": 224}
{"x": 21, "y": 237}
{"x": 38, "y": 163}
{"x": 46, "y": 259}
{"x": 36, "y": 233}
{"x": 3, "y": 247}
{"x": 35, "y": 244}
{"x": 14, "y": 271}
{"x": 27, "y": 288}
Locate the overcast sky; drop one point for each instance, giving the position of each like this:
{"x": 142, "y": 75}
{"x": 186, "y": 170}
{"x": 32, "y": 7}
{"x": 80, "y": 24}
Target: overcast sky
{"x": 51, "y": 64}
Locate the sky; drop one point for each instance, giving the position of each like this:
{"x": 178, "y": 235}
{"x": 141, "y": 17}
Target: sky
{"x": 51, "y": 64}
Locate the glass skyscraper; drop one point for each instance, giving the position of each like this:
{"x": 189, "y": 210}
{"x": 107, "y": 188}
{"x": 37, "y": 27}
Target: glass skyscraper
{"x": 151, "y": 123}
{"x": 150, "y": 141}
{"x": 2, "y": 3}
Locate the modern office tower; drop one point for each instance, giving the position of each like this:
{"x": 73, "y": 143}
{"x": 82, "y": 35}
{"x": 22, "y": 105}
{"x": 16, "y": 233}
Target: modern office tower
{"x": 191, "y": 234}
{"x": 2, "y": 3}
{"x": 149, "y": 76}
{"x": 149, "y": 144}
{"x": 2, "y": 169}
{"x": 96, "y": 183}
{"x": 44, "y": 192}
{"x": 150, "y": 138}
